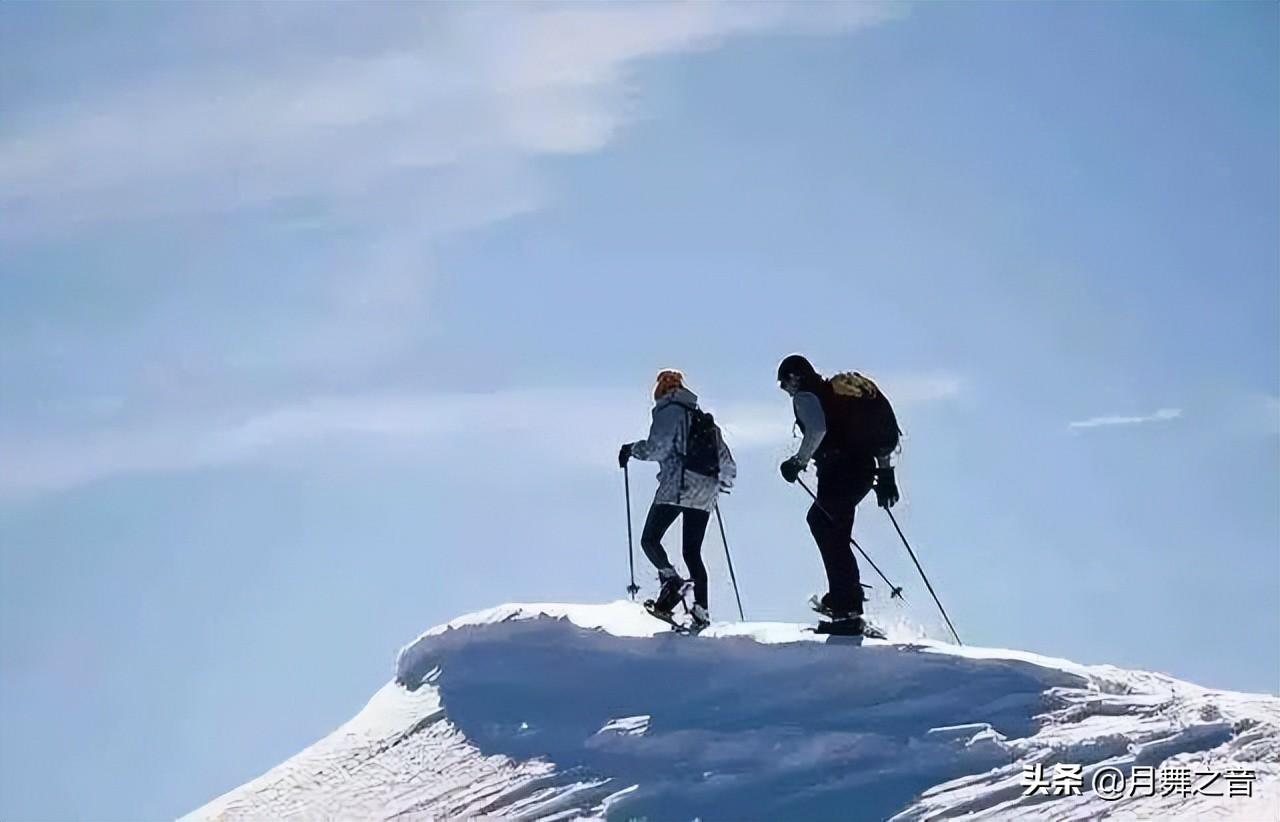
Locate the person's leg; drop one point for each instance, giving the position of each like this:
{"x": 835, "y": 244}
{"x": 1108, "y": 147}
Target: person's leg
{"x": 837, "y": 556}
{"x": 655, "y": 526}
{"x": 695, "y": 528}
{"x": 840, "y": 489}
{"x": 853, "y": 493}
{"x": 660, "y": 518}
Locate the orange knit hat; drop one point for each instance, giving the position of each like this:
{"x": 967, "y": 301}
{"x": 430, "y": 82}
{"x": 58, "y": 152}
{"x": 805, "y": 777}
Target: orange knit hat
{"x": 669, "y": 379}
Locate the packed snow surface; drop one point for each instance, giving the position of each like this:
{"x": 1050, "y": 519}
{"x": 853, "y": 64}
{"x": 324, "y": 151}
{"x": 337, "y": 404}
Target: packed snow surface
{"x": 598, "y": 711}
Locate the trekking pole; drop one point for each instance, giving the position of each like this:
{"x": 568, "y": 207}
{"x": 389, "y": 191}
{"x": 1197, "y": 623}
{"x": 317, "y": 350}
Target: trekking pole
{"x": 895, "y": 591}
{"x": 632, "y": 589}
{"x": 922, "y": 576}
{"x": 729, "y": 559}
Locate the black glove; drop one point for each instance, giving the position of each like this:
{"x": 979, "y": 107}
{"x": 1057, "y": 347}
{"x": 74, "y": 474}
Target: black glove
{"x": 886, "y": 488}
{"x": 791, "y": 469}
{"x": 624, "y": 454}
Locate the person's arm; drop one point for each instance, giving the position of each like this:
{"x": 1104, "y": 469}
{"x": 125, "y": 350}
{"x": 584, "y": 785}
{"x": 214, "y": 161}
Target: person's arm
{"x": 808, "y": 409}
{"x": 662, "y": 434}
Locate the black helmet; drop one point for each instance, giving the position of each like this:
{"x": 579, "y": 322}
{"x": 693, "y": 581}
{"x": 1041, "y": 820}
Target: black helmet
{"x": 795, "y": 366}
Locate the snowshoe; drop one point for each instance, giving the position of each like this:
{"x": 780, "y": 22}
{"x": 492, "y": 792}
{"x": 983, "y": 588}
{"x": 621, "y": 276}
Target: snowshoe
{"x": 842, "y": 623}
{"x": 821, "y": 604}
{"x": 654, "y": 611}
{"x": 666, "y": 616}
{"x": 674, "y": 593}
{"x": 849, "y": 627}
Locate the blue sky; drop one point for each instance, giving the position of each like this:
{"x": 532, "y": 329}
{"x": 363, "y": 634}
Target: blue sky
{"x": 319, "y": 327}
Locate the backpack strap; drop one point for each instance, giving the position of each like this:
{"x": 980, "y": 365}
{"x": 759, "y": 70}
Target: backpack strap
{"x": 688, "y": 423}
{"x": 689, "y": 411}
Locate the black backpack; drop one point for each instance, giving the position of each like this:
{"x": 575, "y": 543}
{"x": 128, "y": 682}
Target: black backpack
{"x": 860, "y": 419}
{"x": 702, "y": 444}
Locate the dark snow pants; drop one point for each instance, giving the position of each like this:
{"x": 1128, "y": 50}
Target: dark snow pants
{"x": 841, "y": 486}
{"x": 660, "y": 518}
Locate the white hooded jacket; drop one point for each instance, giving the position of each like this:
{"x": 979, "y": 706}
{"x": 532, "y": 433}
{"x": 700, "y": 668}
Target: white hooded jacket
{"x": 665, "y": 445}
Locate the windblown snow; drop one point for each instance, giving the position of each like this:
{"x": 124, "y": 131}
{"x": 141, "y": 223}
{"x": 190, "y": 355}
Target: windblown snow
{"x": 597, "y": 711}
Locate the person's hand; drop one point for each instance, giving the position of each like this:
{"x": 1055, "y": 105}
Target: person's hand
{"x": 624, "y": 454}
{"x": 886, "y": 488}
{"x": 791, "y": 469}
{"x": 725, "y": 486}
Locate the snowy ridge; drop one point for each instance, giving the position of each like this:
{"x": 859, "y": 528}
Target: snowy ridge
{"x": 556, "y": 711}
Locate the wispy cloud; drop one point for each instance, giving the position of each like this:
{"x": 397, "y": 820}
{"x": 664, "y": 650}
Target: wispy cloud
{"x": 186, "y": 442}
{"x": 1163, "y": 415}
{"x": 576, "y": 426}
{"x": 286, "y": 170}
{"x": 313, "y": 154}
{"x": 916, "y": 389}
{"x": 432, "y": 107}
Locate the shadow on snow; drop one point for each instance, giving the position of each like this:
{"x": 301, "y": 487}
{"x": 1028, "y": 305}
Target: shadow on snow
{"x": 735, "y": 729}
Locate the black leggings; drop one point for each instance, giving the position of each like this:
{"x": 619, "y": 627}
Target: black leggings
{"x": 660, "y": 518}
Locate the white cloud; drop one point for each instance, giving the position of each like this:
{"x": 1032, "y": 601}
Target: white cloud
{"x": 442, "y": 89}
{"x": 761, "y": 424}
{"x": 347, "y": 139}
{"x": 385, "y": 126}
{"x": 36, "y": 464}
{"x": 915, "y": 389}
{"x": 1163, "y": 415}
{"x": 578, "y": 426}
{"x": 754, "y": 425}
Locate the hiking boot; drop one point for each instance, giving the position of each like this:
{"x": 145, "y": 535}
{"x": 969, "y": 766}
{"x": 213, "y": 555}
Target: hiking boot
{"x": 698, "y": 618}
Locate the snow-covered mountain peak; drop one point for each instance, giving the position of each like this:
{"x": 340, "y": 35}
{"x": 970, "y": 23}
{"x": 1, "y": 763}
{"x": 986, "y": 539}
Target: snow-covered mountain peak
{"x": 552, "y": 711}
